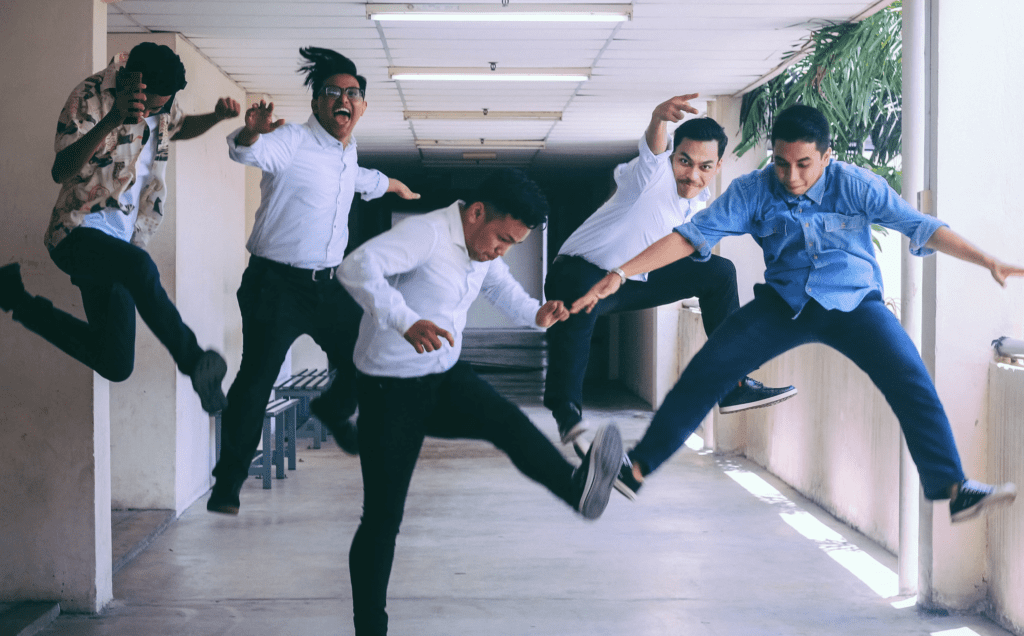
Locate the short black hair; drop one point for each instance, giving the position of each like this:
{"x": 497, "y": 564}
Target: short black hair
{"x": 510, "y": 192}
{"x": 161, "y": 68}
{"x": 702, "y": 129}
{"x": 802, "y": 123}
{"x": 323, "y": 63}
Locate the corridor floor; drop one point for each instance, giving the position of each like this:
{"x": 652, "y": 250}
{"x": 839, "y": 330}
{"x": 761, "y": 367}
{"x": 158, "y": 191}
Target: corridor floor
{"x": 713, "y": 546}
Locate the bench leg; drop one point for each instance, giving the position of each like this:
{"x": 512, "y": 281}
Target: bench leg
{"x": 291, "y": 420}
{"x": 279, "y": 447}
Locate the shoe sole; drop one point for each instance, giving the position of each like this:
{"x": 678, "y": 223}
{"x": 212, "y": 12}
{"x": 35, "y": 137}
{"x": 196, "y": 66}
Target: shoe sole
{"x": 211, "y": 394}
{"x": 618, "y": 484}
{"x": 760, "y": 404}
{"x": 605, "y": 459}
{"x": 578, "y": 429}
{"x": 1003, "y": 496}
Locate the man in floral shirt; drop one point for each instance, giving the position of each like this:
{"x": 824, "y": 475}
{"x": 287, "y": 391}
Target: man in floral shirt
{"x": 112, "y": 147}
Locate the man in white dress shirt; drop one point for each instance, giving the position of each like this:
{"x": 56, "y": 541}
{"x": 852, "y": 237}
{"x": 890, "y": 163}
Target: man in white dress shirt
{"x": 310, "y": 175}
{"x": 657, "y": 191}
{"x": 415, "y": 284}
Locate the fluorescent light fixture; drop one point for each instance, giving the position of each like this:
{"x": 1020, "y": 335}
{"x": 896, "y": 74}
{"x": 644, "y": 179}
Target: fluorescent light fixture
{"x": 477, "y": 12}
{"x": 545, "y": 115}
{"x": 456, "y": 74}
{"x": 480, "y": 156}
{"x": 481, "y": 144}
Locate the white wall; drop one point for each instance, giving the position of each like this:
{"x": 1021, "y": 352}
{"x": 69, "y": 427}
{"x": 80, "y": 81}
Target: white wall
{"x": 54, "y": 425}
{"x": 161, "y": 437}
{"x": 978, "y": 54}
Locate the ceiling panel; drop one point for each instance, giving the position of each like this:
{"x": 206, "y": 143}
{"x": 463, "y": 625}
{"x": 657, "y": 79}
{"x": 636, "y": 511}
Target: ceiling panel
{"x": 670, "y": 46}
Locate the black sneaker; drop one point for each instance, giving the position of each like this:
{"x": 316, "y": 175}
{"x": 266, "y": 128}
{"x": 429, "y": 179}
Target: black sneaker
{"x": 973, "y": 497}
{"x": 751, "y": 394}
{"x": 224, "y": 497}
{"x": 624, "y": 482}
{"x": 207, "y": 378}
{"x": 342, "y": 429}
{"x": 570, "y": 421}
{"x": 592, "y": 480}
{"x": 12, "y": 290}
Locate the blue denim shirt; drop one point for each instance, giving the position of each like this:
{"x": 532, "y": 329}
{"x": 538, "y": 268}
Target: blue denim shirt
{"x": 816, "y": 245}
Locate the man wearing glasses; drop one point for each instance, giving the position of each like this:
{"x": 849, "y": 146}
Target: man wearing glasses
{"x": 310, "y": 175}
{"x": 113, "y": 142}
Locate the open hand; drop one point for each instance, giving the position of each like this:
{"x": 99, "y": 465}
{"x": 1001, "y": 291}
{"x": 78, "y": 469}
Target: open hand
{"x": 425, "y": 336}
{"x": 1002, "y": 271}
{"x": 602, "y": 289}
{"x": 259, "y": 119}
{"x": 401, "y": 189}
{"x": 551, "y": 312}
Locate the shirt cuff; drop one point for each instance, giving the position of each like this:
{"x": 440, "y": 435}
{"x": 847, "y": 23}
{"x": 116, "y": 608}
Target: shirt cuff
{"x": 240, "y": 153}
{"x": 690, "y": 232}
{"x": 923, "y": 234}
{"x": 378, "y": 190}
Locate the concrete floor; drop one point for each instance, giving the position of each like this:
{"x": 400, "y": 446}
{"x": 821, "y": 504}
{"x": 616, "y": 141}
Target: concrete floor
{"x": 485, "y": 551}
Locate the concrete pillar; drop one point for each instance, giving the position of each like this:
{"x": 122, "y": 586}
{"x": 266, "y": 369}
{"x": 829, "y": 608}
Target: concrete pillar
{"x": 54, "y": 423}
{"x": 910, "y": 268}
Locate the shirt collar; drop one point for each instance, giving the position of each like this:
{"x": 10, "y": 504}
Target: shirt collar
{"x": 324, "y": 138}
{"x": 816, "y": 193}
{"x": 454, "y": 214}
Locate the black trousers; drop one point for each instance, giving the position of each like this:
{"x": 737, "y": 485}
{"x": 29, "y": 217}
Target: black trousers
{"x": 713, "y": 282}
{"x": 395, "y": 414}
{"x": 114, "y": 277}
{"x": 278, "y": 304}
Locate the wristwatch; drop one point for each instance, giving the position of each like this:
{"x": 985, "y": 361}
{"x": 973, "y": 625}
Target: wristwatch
{"x": 618, "y": 270}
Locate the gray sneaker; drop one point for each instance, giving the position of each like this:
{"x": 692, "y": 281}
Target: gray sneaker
{"x": 207, "y": 378}
{"x": 592, "y": 480}
{"x": 751, "y": 394}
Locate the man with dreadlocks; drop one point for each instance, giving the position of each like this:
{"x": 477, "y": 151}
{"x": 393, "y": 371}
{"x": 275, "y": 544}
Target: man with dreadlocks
{"x": 310, "y": 175}
{"x": 112, "y": 144}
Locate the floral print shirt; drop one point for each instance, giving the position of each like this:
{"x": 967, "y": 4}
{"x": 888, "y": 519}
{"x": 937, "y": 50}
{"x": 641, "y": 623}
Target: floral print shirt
{"x": 111, "y": 171}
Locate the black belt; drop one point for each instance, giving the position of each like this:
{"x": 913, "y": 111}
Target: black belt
{"x": 288, "y": 270}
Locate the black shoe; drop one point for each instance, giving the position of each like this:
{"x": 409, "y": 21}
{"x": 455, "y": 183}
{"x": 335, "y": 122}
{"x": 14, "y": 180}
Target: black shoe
{"x": 342, "y": 429}
{"x": 224, "y": 497}
{"x": 592, "y": 480}
{"x": 207, "y": 378}
{"x": 624, "y": 482}
{"x": 570, "y": 421}
{"x": 751, "y": 394}
{"x": 971, "y": 498}
{"x": 12, "y": 290}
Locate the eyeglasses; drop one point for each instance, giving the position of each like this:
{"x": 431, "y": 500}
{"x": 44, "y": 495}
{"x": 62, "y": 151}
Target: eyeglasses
{"x": 353, "y": 93}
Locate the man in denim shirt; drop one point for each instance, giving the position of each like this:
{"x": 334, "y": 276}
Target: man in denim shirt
{"x": 812, "y": 218}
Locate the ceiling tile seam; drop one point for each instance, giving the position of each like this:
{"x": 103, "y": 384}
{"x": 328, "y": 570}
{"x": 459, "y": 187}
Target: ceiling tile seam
{"x": 130, "y": 17}
{"x": 593, "y": 64}
{"x": 398, "y": 85}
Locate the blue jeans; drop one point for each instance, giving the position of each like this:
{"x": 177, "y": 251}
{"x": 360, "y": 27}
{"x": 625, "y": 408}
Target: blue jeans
{"x": 869, "y": 335}
{"x": 395, "y": 414}
{"x": 713, "y": 283}
{"x": 114, "y": 277}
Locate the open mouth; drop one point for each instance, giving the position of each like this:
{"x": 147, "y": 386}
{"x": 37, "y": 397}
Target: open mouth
{"x": 343, "y": 111}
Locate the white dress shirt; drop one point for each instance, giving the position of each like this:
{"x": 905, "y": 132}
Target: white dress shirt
{"x": 309, "y": 179}
{"x": 421, "y": 270}
{"x": 644, "y": 208}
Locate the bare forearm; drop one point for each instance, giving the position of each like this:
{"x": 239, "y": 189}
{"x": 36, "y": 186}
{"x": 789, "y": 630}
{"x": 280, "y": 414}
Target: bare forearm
{"x": 70, "y": 161}
{"x": 949, "y": 242}
{"x": 662, "y": 252}
{"x": 195, "y": 125}
{"x": 657, "y": 135}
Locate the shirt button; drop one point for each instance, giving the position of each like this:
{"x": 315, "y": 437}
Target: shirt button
{"x": 807, "y": 225}
{"x": 815, "y": 257}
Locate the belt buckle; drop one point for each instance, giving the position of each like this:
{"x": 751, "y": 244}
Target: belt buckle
{"x": 330, "y": 274}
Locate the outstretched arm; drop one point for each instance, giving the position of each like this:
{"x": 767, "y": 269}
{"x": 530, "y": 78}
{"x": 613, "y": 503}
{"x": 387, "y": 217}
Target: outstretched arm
{"x": 194, "y": 125}
{"x": 402, "y": 190}
{"x": 949, "y": 242}
{"x": 672, "y": 110}
{"x": 662, "y": 252}
{"x": 259, "y": 120}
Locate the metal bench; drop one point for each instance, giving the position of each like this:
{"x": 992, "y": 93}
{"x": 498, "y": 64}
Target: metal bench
{"x": 281, "y": 417}
{"x": 304, "y": 386}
